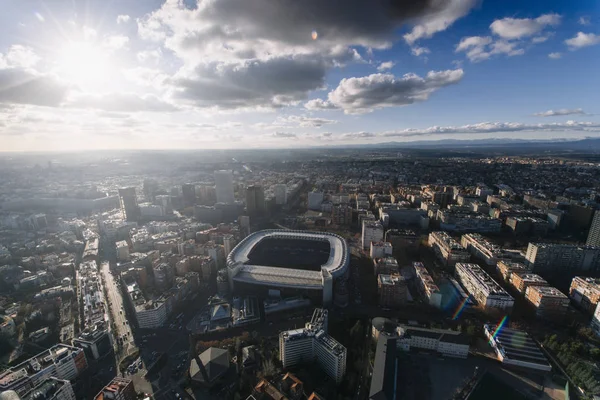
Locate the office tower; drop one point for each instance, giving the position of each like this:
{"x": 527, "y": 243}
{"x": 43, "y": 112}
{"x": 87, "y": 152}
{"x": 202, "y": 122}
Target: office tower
{"x": 593, "y": 238}
{"x": 129, "y": 204}
{"x": 150, "y": 188}
{"x": 188, "y": 192}
{"x": 280, "y": 191}
{"x": 255, "y": 200}
{"x": 224, "y": 186}
{"x": 314, "y": 200}
{"x": 164, "y": 200}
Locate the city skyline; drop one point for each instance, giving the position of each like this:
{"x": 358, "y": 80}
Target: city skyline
{"x": 224, "y": 74}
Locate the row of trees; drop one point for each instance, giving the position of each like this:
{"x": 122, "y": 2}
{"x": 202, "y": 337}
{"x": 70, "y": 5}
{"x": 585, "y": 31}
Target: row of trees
{"x": 577, "y": 358}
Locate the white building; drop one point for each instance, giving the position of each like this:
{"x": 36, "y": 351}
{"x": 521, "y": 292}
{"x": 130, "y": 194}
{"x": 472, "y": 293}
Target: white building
{"x": 280, "y": 192}
{"x": 314, "y": 200}
{"x": 224, "y": 186}
{"x": 380, "y": 249}
{"x": 122, "y": 250}
{"x": 482, "y": 287}
{"x": 228, "y": 243}
{"x": 313, "y": 343}
{"x": 446, "y": 342}
{"x": 372, "y": 231}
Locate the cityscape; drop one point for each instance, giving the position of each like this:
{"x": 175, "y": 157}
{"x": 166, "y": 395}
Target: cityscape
{"x": 299, "y": 200}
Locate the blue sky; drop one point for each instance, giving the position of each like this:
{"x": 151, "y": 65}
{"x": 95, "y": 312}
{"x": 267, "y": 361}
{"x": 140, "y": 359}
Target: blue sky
{"x": 257, "y": 73}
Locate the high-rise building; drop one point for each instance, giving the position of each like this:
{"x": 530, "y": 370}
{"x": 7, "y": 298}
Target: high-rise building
{"x": 314, "y": 200}
{"x": 372, "y": 231}
{"x": 224, "y": 186}
{"x": 255, "y": 200}
{"x": 562, "y": 257}
{"x": 228, "y": 243}
{"x": 150, "y": 188}
{"x": 341, "y": 214}
{"x": 305, "y": 345}
{"x": 129, "y": 204}
{"x": 593, "y": 238}
{"x": 280, "y": 191}
{"x": 391, "y": 290}
{"x": 118, "y": 389}
{"x": 188, "y": 192}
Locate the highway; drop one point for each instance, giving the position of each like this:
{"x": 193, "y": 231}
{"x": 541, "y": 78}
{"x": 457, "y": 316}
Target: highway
{"x": 117, "y": 310}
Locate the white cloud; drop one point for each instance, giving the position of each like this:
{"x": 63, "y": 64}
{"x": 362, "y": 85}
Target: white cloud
{"x": 363, "y": 95}
{"x": 21, "y": 56}
{"x": 516, "y": 28}
{"x": 303, "y": 121}
{"x": 441, "y": 15}
{"x": 384, "y": 66}
{"x": 561, "y": 112}
{"x": 149, "y": 56}
{"x": 418, "y": 51}
{"x": 555, "y": 55}
{"x": 89, "y": 33}
{"x": 123, "y": 18}
{"x": 24, "y": 86}
{"x": 120, "y": 102}
{"x": 319, "y": 104}
{"x": 582, "y": 40}
{"x": 585, "y": 21}
{"x": 479, "y": 48}
{"x": 146, "y": 76}
{"x": 116, "y": 42}
{"x": 540, "y": 39}
{"x": 40, "y": 17}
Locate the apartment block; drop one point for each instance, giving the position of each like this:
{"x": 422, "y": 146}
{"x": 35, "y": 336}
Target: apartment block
{"x": 585, "y": 292}
{"x": 482, "y": 287}
{"x": 507, "y": 268}
{"x": 562, "y": 257}
{"x": 549, "y": 302}
{"x": 521, "y": 281}
{"x": 391, "y": 290}
{"x": 372, "y": 231}
{"x": 380, "y": 249}
{"x": 481, "y": 248}
{"x": 426, "y": 285}
{"x": 448, "y": 250}
{"x": 313, "y": 343}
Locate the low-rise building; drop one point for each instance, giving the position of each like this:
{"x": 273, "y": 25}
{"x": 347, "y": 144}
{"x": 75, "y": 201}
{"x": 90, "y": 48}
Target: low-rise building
{"x": 445, "y": 342}
{"x": 549, "y": 302}
{"x": 516, "y": 348}
{"x": 522, "y": 281}
{"x": 118, "y": 389}
{"x": 482, "y": 287}
{"x": 51, "y": 389}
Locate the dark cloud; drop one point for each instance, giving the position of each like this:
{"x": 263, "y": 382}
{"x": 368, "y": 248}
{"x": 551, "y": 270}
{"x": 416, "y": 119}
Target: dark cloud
{"x": 271, "y": 83}
{"x": 25, "y": 87}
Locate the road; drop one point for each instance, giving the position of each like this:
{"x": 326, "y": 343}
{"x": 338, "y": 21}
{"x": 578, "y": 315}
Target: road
{"x": 117, "y": 310}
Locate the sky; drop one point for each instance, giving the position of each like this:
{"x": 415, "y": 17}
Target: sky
{"x": 186, "y": 74}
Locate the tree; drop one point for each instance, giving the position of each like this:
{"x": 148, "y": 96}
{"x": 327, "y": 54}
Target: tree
{"x": 595, "y": 353}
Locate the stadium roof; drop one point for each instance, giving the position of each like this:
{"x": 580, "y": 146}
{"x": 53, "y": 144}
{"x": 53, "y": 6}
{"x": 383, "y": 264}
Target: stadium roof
{"x": 336, "y": 264}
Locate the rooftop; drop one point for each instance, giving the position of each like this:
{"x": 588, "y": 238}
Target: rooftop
{"x": 485, "y": 281}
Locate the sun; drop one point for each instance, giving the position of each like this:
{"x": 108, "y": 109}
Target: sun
{"x": 84, "y": 64}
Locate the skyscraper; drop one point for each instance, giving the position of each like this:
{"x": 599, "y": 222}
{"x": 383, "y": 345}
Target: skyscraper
{"x": 188, "y": 192}
{"x": 129, "y": 204}
{"x": 255, "y": 200}
{"x": 224, "y": 186}
{"x": 593, "y": 238}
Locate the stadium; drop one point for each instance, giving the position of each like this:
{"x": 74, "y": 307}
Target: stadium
{"x": 293, "y": 262}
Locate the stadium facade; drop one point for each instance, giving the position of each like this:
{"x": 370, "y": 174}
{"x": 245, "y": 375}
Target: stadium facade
{"x": 293, "y": 262}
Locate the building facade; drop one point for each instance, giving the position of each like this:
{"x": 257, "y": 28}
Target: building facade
{"x": 585, "y": 292}
{"x": 448, "y": 250}
{"x": 426, "y": 285}
{"x": 224, "y": 186}
{"x": 549, "y": 302}
{"x": 372, "y": 231}
{"x": 392, "y": 290}
{"x": 482, "y": 287}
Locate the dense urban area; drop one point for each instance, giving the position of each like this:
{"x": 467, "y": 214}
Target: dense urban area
{"x": 300, "y": 274}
